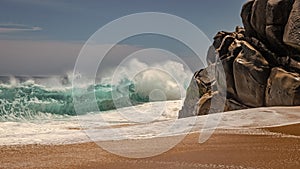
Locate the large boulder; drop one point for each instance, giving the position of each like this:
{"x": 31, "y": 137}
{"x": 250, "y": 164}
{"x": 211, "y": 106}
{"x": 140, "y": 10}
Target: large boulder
{"x": 251, "y": 72}
{"x": 258, "y": 65}
{"x": 283, "y": 88}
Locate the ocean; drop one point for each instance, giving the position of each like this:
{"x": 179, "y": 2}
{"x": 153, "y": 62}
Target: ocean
{"x": 31, "y": 112}
{"x": 32, "y": 98}
{"x": 37, "y": 110}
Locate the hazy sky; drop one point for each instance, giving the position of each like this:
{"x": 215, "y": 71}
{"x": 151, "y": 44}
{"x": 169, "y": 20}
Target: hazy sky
{"x": 44, "y": 37}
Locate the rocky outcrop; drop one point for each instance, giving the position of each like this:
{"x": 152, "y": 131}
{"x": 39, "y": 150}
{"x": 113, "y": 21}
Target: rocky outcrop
{"x": 260, "y": 62}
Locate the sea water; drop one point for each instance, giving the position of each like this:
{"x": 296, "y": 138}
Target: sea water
{"x": 31, "y": 113}
{"x": 41, "y": 110}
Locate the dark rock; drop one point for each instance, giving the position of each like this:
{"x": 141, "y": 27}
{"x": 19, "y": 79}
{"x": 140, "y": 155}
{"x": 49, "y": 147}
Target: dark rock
{"x": 239, "y": 74}
{"x": 205, "y": 79}
{"x": 294, "y": 65}
{"x": 240, "y": 30}
{"x": 270, "y": 56}
{"x": 232, "y": 105}
{"x": 214, "y": 102}
{"x": 246, "y": 18}
{"x": 274, "y": 34}
{"x": 211, "y": 55}
{"x": 291, "y": 35}
{"x": 277, "y": 14}
{"x": 224, "y": 47}
{"x": 192, "y": 97}
{"x": 283, "y": 88}
{"x": 225, "y": 66}
{"x": 278, "y": 11}
{"x": 258, "y": 18}
{"x": 201, "y": 83}
{"x": 219, "y": 38}
{"x": 251, "y": 72}
{"x": 290, "y": 64}
{"x": 211, "y": 102}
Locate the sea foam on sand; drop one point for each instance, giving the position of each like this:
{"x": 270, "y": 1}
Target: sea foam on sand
{"x": 161, "y": 121}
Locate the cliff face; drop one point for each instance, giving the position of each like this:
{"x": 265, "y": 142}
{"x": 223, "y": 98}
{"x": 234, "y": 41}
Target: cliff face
{"x": 261, "y": 62}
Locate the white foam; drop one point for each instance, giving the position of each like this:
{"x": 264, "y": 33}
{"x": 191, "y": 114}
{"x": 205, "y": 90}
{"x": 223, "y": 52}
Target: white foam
{"x": 71, "y": 130}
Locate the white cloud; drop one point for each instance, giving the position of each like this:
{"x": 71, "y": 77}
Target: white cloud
{"x": 13, "y": 28}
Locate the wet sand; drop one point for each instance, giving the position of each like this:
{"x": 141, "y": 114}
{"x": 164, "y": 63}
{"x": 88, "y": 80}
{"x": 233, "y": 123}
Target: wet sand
{"x": 293, "y": 129}
{"x": 220, "y": 151}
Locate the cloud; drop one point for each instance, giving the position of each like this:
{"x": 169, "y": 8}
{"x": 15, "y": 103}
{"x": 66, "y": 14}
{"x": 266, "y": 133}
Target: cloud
{"x": 14, "y": 28}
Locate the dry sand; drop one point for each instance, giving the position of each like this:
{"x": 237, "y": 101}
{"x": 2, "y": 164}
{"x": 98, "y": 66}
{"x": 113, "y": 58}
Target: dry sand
{"x": 220, "y": 151}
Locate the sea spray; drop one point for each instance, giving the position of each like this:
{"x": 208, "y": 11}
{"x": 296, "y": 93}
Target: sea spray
{"x": 28, "y": 100}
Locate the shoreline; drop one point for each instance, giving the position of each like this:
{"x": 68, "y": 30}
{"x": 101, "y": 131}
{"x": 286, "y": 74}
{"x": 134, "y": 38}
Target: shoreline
{"x": 220, "y": 151}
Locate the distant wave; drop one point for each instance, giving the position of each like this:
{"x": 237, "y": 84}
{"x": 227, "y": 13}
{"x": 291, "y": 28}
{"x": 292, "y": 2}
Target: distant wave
{"x": 26, "y": 99}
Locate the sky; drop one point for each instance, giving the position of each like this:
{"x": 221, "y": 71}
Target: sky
{"x": 44, "y": 37}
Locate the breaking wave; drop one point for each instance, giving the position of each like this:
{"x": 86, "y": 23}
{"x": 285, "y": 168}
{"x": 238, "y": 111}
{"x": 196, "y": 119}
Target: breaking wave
{"x": 31, "y": 100}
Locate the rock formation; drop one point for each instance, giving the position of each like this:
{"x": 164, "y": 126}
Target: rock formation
{"x": 261, "y": 62}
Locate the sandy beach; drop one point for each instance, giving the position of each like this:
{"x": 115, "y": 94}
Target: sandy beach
{"x": 150, "y": 85}
{"x": 220, "y": 151}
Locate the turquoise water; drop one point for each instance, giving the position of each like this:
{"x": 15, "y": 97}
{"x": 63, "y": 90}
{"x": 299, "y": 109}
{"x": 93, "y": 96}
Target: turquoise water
{"x": 28, "y": 100}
